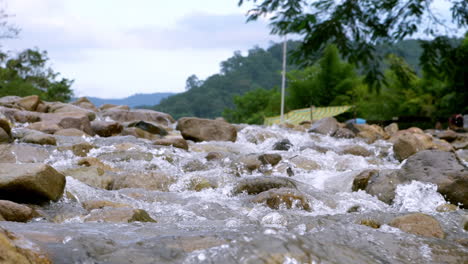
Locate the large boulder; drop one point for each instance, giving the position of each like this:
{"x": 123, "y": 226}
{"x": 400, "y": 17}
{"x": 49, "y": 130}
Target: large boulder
{"x": 5, "y": 124}
{"x": 381, "y": 184}
{"x": 405, "y": 145}
{"x": 198, "y": 129}
{"x": 391, "y": 129}
{"x": 17, "y": 250}
{"x": 29, "y": 103}
{"x": 31, "y": 183}
{"x": 105, "y": 128}
{"x": 51, "y": 123}
{"x": 121, "y": 115}
{"x": 14, "y": 212}
{"x": 325, "y": 126}
{"x": 419, "y": 224}
{"x": 69, "y": 108}
{"x": 256, "y": 185}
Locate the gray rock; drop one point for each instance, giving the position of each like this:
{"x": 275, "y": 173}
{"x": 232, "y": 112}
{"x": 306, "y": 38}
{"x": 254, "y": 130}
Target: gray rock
{"x": 343, "y": 132}
{"x": 106, "y": 129}
{"x": 149, "y": 127}
{"x": 283, "y": 144}
{"x": 11, "y": 211}
{"x": 31, "y": 183}
{"x": 198, "y": 129}
{"x": 256, "y": 185}
{"x": 325, "y": 126}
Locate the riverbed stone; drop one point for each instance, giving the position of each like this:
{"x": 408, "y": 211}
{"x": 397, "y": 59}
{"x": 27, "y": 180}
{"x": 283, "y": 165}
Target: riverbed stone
{"x": 15, "y": 212}
{"x": 68, "y": 109}
{"x": 305, "y": 163}
{"x": 152, "y": 128}
{"x": 119, "y": 215}
{"x": 121, "y": 115}
{"x": 106, "y": 128}
{"x": 138, "y": 133}
{"x": 419, "y": 224}
{"x": 17, "y": 250}
{"x": 356, "y": 150}
{"x": 22, "y": 153}
{"x": 85, "y": 103}
{"x": 155, "y": 180}
{"x": 5, "y": 124}
{"x": 448, "y": 135}
{"x": 287, "y": 197}
{"x": 446, "y": 207}
{"x": 250, "y": 162}
{"x": 198, "y": 129}
{"x": 92, "y": 161}
{"x": 283, "y": 144}
{"x": 325, "y": 126}
{"x": 391, "y": 129}
{"x": 405, "y": 145}
{"x": 99, "y": 204}
{"x": 362, "y": 179}
{"x": 382, "y": 184}
{"x": 36, "y": 137}
{"x": 34, "y": 183}
{"x": 343, "y": 132}
{"x": 256, "y": 185}
{"x": 4, "y": 137}
{"x": 70, "y": 132}
{"x": 109, "y": 106}
{"x": 172, "y": 141}
{"x": 93, "y": 176}
{"x": 271, "y": 159}
{"x": 29, "y": 103}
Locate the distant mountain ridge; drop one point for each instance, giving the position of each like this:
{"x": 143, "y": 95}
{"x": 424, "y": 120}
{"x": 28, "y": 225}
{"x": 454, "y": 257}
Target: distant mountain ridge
{"x": 133, "y": 100}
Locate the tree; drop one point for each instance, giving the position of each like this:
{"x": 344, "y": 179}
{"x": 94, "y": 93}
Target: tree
{"x": 192, "y": 82}
{"x": 6, "y": 29}
{"x": 355, "y": 26}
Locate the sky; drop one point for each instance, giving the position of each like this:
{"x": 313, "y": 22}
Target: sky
{"x": 116, "y": 48}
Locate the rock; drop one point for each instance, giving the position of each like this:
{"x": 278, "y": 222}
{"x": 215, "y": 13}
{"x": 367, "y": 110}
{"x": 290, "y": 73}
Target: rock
{"x": 405, "y": 145}
{"x": 45, "y": 127}
{"x": 118, "y": 107}
{"x": 92, "y": 161}
{"x": 214, "y": 156}
{"x": 17, "y": 250}
{"x": 126, "y": 155}
{"x": 119, "y": 215}
{"x": 361, "y": 180}
{"x": 461, "y": 142}
{"x": 174, "y": 142}
{"x": 198, "y": 129}
{"x": 31, "y": 183}
{"x": 5, "y": 124}
{"x": 155, "y": 180}
{"x": 305, "y": 163}
{"x": 106, "y": 129}
{"x": 149, "y": 127}
{"x": 93, "y": 176}
{"x": 29, "y": 103}
{"x": 67, "y": 109}
{"x": 84, "y": 103}
{"x": 465, "y": 222}
{"x": 271, "y": 159}
{"x": 391, "y": 129}
{"x": 290, "y": 198}
{"x": 51, "y": 123}
{"x": 4, "y": 137}
{"x": 250, "y": 162}
{"x": 258, "y": 137}
{"x": 383, "y": 184}
{"x": 121, "y": 115}
{"x": 343, "y": 132}
{"x": 440, "y": 168}
{"x": 20, "y": 116}
{"x": 256, "y": 185}
{"x": 138, "y": 133}
{"x": 70, "y": 132}
{"x": 200, "y": 183}
{"x": 36, "y": 137}
{"x": 448, "y": 135}
{"x": 370, "y": 223}
{"x": 418, "y": 224}
{"x": 357, "y": 151}
{"x": 325, "y": 126}
{"x": 99, "y": 204}
{"x": 443, "y": 145}
{"x": 22, "y": 153}
{"x": 283, "y": 144}
{"x": 11, "y": 211}
{"x": 371, "y": 133}
{"x": 443, "y": 208}
{"x": 194, "y": 165}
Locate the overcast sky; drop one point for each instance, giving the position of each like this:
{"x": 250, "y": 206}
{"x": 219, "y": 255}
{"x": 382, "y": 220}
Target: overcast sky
{"x": 116, "y": 48}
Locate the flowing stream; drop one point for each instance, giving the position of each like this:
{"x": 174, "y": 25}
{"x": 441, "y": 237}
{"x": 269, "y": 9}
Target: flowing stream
{"x": 208, "y": 223}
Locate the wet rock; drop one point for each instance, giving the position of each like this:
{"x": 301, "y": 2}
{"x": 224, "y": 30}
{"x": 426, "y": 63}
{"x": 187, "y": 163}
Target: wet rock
{"x": 29, "y": 103}
{"x": 149, "y": 127}
{"x": 465, "y": 222}
{"x": 22, "y": 153}
{"x": 283, "y": 144}
{"x": 361, "y": 180}
{"x": 84, "y": 103}
{"x": 51, "y": 123}
{"x": 443, "y": 145}
{"x": 440, "y": 168}
{"x": 36, "y": 137}
{"x": 371, "y": 133}
{"x": 448, "y": 135}
{"x": 258, "y": 137}
{"x": 156, "y": 180}
{"x": 271, "y": 159}
{"x": 461, "y": 142}
{"x": 325, "y": 126}
{"x": 5, "y": 124}
{"x": 119, "y": 215}
{"x": 357, "y": 151}
{"x": 92, "y": 161}
{"x": 30, "y": 183}
{"x": 250, "y": 162}
{"x": 68, "y": 109}
{"x": 194, "y": 165}
{"x": 121, "y": 115}
{"x": 4, "y": 137}
{"x": 214, "y": 155}
{"x": 383, "y": 185}
{"x": 405, "y": 145}
{"x": 17, "y": 250}
{"x": 391, "y": 129}
{"x": 174, "y": 142}
{"x": 106, "y": 129}
{"x": 126, "y": 155}
{"x": 45, "y": 127}
{"x": 93, "y": 176}
{"x": 418, "y": 224}
{"x": 80, "y": 149}
{"x": 198, "y": 129}
{"x": 200, "y": 183}
{"x": 443, "y": 208}
{"x": 256, "y": 185}
{"x": 99, "y": 204}
{"x": 343, "y": 132}
{"x": 138, "y": 133}
{"x": 462, "y": 154}
{"x": 70, "y": 132}
{"x": 305, "y": 163}
{"x": 370, "y": 223}
{"x": 11, "y": 211}
{"x": 290, "y": 198}
{"x": 20, "y": 116}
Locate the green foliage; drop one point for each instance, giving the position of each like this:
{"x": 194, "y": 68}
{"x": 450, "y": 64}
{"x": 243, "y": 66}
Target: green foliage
{"x": 27, "y": 74}
{"x": 355, "y": 26}
{"x": 254, "y": 106}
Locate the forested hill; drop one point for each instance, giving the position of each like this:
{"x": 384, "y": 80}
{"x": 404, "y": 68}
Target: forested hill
{"x": 135, "y": 100}
{"x": 240, "y": 74}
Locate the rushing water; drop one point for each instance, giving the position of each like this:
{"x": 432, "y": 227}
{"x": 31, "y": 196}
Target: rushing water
{"x": 214, "y": 225}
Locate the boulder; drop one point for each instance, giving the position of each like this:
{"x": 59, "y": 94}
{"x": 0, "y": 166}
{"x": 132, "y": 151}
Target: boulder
{"x": 405, "y": 145}
{"x": 356, "y": 150}
{"x": 343, "y": 132}
{"x": 155, "y": 180}
{"x": 391, "y": 129}
{"x": 19, "y": 115}
{"x": 271, "y": 159}
{"x": 22, "y": 153}
{"x": 92, "y": 176}
{"x": 287, "y": 197}
{"x": 381, "y": 184}
{"x": 447, "y": 135}
{"x": 31, "y": 183}
{"x": 92, "y": 161}
{"x": 256, "y": 185}
{"x": 106, "y": 129}
{"x": 174, "y": 142}
{"x": 149, "y": 127}
{"x": 99, "y": 204}
{"x": 213, "y": 155}
{"x": 200, "y": 183}
{"x": 17, "y": 250}
{"x": 119, "y": 215}
{"x": 121, "y": 116}
{"x": 325, "y": 126}
{"x": 250, "y": 162}
{"x": 418, "y": 224}
{"x": 138, "y": 133}
{"x": 362, "y": 179}
{"x": 283, "y": 144}
{"x": 14, "y": 212}
{"x": 84, "y": 103}
{"x": 371, "y": 133}
{"x": 305, "y": 163}
{"x": 70, "y": 132}
{"x": 4, "y": 137}
{"x": 63, "y": 108}
{"x": 51, "y": 123}
{"x": 29, "y": 103}
{"x": 36, "y": 137}
{"x": 5, "y": 124}
{"x": 109, "y": 106}
{"x": 198, "y": 129}
{"x": 126, "y": 155}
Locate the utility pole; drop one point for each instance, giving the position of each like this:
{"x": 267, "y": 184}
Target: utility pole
{"x": 283, "y": 80}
